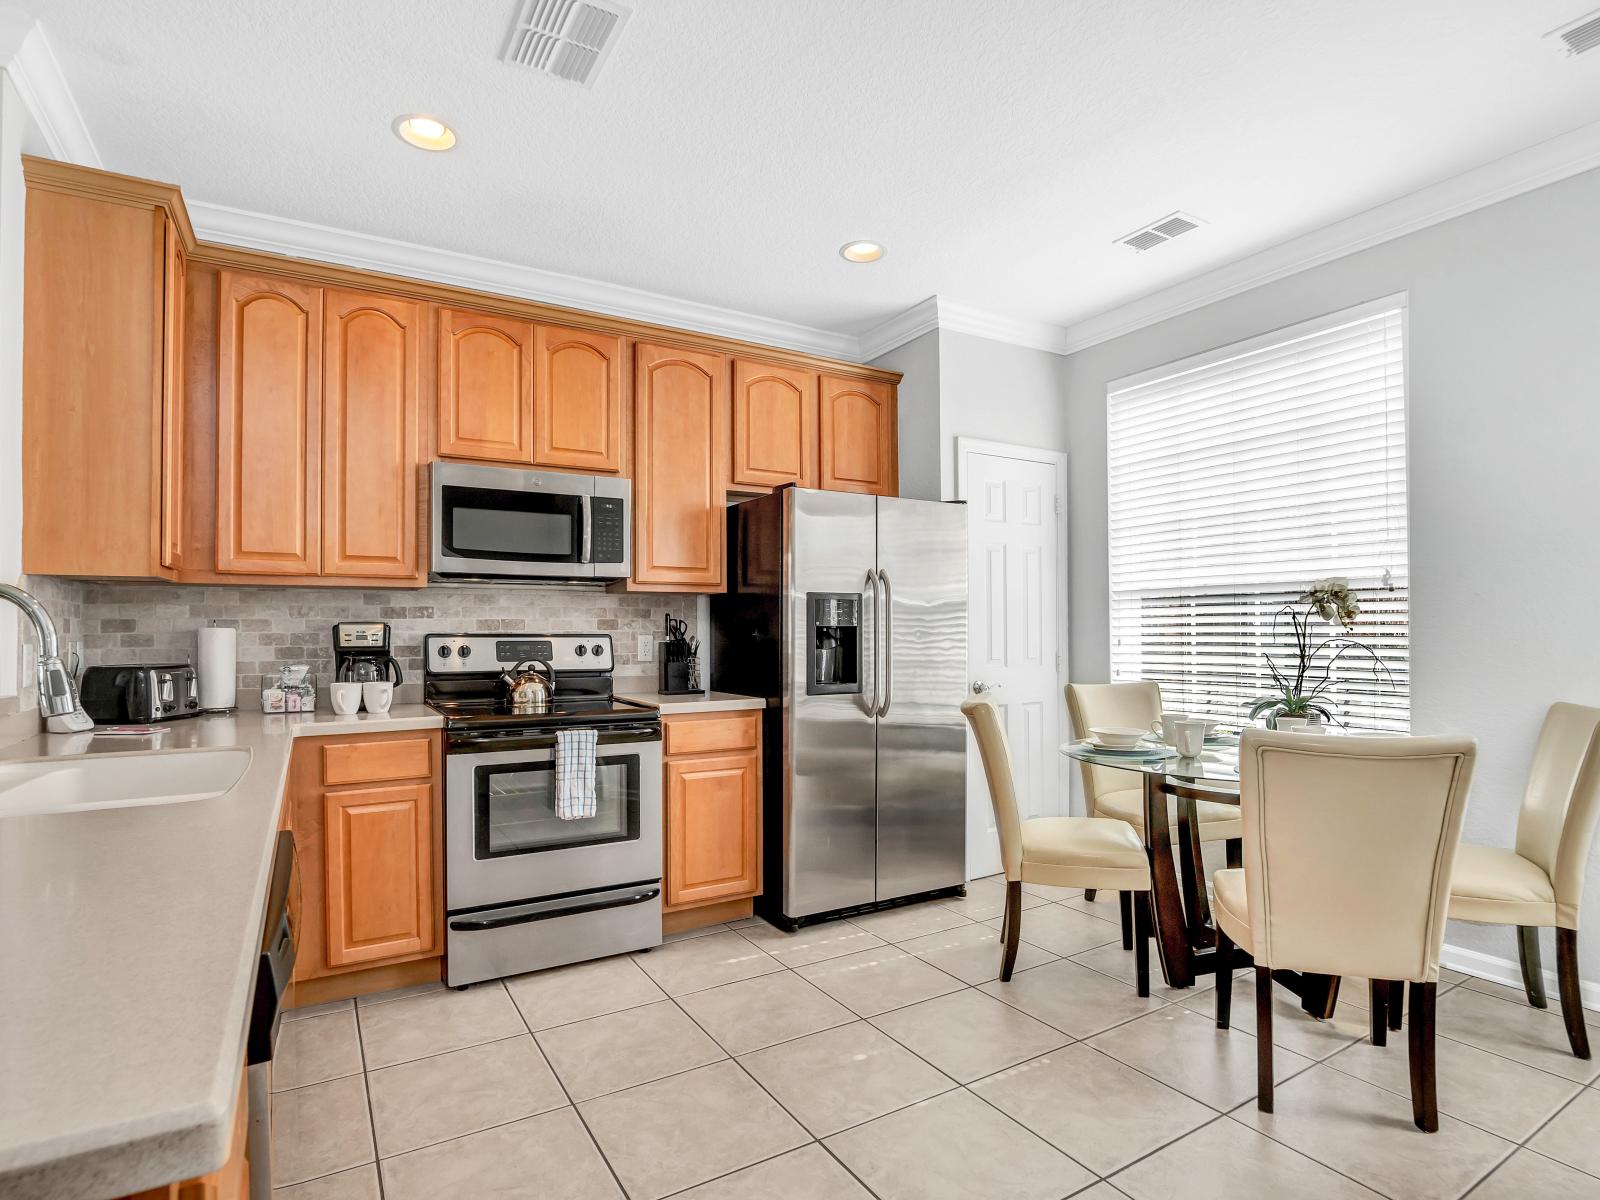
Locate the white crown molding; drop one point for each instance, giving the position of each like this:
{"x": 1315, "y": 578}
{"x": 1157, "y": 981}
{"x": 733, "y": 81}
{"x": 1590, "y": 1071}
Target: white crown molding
{"x": 302, "y": 239}
{"x": 922, "y": 317}
{"x": 37, "y": 75}
{"x": 1546, "y": 163}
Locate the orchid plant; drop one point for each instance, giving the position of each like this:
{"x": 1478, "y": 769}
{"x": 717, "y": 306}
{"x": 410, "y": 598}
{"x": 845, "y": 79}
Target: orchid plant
{"x": 1301, "y": 691}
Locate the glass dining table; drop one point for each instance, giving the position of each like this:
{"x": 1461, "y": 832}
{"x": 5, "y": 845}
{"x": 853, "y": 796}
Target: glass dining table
{"x": 1186, "y": 941}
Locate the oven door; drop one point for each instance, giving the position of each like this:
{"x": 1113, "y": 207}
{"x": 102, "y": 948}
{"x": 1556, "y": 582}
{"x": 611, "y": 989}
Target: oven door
{"x": 504, "y": 841}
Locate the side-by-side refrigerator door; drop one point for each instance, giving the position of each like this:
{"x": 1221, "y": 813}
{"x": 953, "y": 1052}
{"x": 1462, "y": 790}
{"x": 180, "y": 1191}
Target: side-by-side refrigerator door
{"x": 922, "y": 739}
{"x": 831, "y": 624}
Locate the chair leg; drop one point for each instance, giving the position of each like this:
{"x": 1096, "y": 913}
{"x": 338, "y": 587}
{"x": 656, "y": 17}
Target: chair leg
{"x": 1379, "y": 1000}
{"x": 1224, "y": 979}
{"x": 1234, "y": 849}
{"x": 1424, "y": 1089}
{"x": 1264, "y": 1039}
{"x": 1396, "y": 1004}
{"x": 1532, "y": 972}
{"x": 1125, "y": 902}
{"x": 1089, "y": 894}
{"x": 1012, "y": 928}
{"x": 1144, "y": 930}
{"x": 1571, "y": 997}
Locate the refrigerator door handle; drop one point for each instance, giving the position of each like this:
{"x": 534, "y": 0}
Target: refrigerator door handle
{"x": 870, "y": 584}
{"x": 887, "y": 609}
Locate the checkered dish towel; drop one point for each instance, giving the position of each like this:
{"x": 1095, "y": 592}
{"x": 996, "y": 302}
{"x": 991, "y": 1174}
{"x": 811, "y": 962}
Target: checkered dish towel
{"x": 575, "y": 796}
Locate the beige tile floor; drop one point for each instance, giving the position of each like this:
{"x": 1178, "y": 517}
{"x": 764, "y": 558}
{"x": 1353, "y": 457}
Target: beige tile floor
{"x": 882, "y": 1057}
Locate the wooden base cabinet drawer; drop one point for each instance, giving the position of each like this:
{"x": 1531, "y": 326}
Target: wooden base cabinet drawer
{"x": 377, "y": 762}
{"x": 708, "y": 733}
{"x": 713, "y": 829}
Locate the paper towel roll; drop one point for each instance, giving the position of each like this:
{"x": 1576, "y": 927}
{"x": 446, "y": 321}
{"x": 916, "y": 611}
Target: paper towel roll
{"x": 219, "y": 666}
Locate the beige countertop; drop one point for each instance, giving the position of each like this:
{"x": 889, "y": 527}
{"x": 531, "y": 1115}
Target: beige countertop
{"x": 128, "y": 945}
{"x": 642, "y": 690}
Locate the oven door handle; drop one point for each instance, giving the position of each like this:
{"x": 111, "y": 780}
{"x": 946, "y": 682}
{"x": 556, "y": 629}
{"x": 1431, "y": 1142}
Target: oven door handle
{"x": 577, "y": 905}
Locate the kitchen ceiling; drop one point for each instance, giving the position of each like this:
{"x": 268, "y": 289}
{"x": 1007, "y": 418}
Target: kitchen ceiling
{"x": 728, "y": 148}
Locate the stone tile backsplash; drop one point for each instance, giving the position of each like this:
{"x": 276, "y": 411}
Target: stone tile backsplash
{"x": 155, "y": 623}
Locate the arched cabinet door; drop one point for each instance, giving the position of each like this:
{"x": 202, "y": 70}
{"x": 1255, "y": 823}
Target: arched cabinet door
{"x": 680, "y": 468}
{"x": 577, "y": 400}
{"x": 485, "y": 387}
{"x": 372, "y": 353}
{"x": 774, "y": 425}
{"x": 860, "y": 452}
{"x": 269, "y": 378}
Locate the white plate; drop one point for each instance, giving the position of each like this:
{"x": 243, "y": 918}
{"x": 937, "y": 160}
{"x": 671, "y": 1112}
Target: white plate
{"x": 1131, "y": 751}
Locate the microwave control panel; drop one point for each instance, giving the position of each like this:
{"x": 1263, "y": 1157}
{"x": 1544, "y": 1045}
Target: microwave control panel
{"x": 608, "y": 529}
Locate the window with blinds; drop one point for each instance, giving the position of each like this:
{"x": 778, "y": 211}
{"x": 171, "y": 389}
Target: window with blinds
{"x": 1238, "y": 477}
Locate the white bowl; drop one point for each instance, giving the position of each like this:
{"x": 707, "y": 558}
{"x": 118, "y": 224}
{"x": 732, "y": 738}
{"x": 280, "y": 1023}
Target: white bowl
{"x": 1116, "y": 737}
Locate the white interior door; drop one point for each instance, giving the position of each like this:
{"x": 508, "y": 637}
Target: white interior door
{"x": 1015, "y": 545}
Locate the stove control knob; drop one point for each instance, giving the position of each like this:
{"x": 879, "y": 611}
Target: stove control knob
{"x": 598, "y": 650}
{"x": 464, "y": 652}
{"x": 581, "y": 651}
{"x": 444, "y": 650}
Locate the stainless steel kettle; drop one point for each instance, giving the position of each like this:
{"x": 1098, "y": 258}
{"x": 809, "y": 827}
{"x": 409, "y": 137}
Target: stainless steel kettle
{"x": 527, "y": 691}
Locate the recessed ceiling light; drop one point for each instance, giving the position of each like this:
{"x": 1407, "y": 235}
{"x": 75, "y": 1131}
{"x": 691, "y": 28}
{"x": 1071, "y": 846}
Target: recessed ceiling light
{"x": 861, "y": 252}
{"x": 425, "y": 133}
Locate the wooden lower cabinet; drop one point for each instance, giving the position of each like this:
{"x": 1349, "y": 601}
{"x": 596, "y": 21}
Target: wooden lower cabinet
{"x": 713, "y": 809}
{"x": 368, "y": 840}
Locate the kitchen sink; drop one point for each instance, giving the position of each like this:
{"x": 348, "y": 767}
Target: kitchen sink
{"x": 118, "y": 780}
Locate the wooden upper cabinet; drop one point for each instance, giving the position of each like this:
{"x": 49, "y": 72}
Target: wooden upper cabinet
{"x": 269, "y": 379}
{"x": 485, "y": 387}
{"x": 680, "y": 468}
{"x": 774, "y": 425}
{"x": 175, "y": 275}
{"x": 859, "y": 451}
{"x": 577, "y": 399}
{"x": 372, "y": 363}
{"x": 378, "y": 872}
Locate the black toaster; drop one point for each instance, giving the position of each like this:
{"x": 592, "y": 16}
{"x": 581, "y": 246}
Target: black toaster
{"x": 140, "y": 695}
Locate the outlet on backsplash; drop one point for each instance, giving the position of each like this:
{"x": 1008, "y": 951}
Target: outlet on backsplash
{"x": 156, "y": 623}
{"x": 647, "y": 647}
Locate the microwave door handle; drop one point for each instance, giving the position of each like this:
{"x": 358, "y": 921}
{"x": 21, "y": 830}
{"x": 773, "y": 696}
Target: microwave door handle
{"x": 587, "y": 503}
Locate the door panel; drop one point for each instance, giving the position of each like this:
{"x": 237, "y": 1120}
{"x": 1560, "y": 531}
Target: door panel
{"x": 372, "y": 362}
{"x": 680, "y": 467}
{"x": 922, "y": 738}
{"x": 1014, "y": 539}
{"x": 379, "y": 872}
{"x": 269, "y": 376}
{"x": 774, "y": 425}
{"x": 485, "y": 387}
{"x": 713, "y": 824}
{"x": 858, "y": 436}
{"x": 830, "y": 859}
{"x": 577, "y": 399}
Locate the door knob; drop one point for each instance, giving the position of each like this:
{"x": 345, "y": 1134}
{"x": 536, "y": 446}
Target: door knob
{"x": 980, "y": 687}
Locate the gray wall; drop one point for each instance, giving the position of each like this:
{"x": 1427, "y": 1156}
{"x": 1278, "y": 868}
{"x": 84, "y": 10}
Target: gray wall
{"x": 1504, "y": 410}
{"x": 918, "y": 406}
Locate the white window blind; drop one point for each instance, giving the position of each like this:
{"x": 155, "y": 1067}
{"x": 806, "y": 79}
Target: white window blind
{"x": 1236, "y": 479}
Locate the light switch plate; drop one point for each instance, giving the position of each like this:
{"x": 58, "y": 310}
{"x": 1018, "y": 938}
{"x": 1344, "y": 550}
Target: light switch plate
{"x": 647, "y": 647}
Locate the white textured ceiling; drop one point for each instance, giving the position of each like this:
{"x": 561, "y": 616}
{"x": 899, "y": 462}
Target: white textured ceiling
{"x": 730, "y": 146}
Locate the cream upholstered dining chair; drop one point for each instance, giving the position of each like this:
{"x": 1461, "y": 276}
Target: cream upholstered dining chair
{"x": 1110, "y": 792}
{"x": 1348, "y": 847}
{"x": 1074, "y": 852}
{"x": 1540, "y": 883}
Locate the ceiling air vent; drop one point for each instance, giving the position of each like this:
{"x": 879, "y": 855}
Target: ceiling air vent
{"x": 569, "y": 39}
{"x": 1577, "y": 36}
{"x": 1158, "y": 232}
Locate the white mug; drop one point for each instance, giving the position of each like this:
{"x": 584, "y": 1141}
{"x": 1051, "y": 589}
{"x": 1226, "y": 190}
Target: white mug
{"x": 1288, "y": 724}
{"x": 346, "y": 698}
{"x": 377, "y": 696}
{"x": 1191, "y": 737}
{"x": 1165, "y": 727}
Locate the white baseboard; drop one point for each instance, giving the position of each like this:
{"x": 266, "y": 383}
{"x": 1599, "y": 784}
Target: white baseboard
{"x": 1509, "y": 972}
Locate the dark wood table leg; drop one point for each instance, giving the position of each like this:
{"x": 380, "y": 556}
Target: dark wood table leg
{"x": 1166, "y": 896}
{"x": 1192, "y": 871}
{"x": 1319, "y": 994}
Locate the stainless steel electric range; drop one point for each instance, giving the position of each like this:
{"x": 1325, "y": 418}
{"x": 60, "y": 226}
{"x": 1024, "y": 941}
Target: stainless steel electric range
{"x": 524, "y": 888}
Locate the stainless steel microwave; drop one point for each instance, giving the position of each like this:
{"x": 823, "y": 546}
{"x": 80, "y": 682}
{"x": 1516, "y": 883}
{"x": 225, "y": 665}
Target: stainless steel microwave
{"x": 500, "y": 523}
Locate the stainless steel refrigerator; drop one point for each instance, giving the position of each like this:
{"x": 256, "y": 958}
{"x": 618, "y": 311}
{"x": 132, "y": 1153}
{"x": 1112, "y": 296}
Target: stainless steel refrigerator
{"x": 849, "y": 614}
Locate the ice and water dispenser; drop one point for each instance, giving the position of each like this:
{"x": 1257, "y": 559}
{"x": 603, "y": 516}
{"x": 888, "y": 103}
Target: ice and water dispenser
{"x": 834, "y": 622}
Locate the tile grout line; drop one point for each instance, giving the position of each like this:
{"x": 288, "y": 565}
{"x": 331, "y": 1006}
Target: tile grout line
{"x": 366, "y": 1087}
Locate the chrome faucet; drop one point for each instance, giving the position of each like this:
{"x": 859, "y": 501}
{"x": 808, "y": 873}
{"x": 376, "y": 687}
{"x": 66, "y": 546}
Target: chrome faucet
{"x": 58, "y": 699}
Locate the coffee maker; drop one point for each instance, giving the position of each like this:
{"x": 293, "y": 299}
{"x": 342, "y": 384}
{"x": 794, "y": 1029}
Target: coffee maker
{"x": 361, "y": 653}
